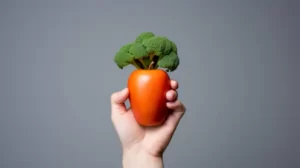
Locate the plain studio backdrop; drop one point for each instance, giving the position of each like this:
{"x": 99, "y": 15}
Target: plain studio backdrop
{"x": 238, "y": 77}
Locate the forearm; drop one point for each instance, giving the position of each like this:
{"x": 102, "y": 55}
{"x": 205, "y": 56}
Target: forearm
{"x": 141, "y": 160}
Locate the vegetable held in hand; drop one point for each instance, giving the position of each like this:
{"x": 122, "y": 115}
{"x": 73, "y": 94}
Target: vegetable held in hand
{"x": 149, "y": 83}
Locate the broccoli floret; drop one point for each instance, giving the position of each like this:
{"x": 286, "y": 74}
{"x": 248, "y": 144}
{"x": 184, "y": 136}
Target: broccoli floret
{"x": 123, "y": 59}
{"x": 170, "y": 61}
{"x": 143, "y": 36}
{"x": 138, "y": 50}
{"x": 126, "y": 47}
{"x": 174, "y": 47}
{"x": 149, "y": 52}
{"x": 168, "y": 46}
{"x": 155, "y": 45}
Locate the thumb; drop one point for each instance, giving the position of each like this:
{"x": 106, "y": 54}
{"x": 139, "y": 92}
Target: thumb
{"x": 118, "y": 101}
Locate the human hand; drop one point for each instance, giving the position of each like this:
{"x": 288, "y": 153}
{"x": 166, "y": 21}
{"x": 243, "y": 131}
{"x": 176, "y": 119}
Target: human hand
{"x": 148, "y": 142}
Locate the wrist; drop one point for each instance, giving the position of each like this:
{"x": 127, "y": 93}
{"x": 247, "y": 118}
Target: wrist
{"x": 139, "y": 158}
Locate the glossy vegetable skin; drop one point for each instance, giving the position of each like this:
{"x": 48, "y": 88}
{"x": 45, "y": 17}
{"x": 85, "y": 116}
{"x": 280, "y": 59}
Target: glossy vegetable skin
{"x": 147, "y": 96}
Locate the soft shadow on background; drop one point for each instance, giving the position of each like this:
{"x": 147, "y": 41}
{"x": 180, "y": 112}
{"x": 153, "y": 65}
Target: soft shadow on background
{"x": 239, "y": 78}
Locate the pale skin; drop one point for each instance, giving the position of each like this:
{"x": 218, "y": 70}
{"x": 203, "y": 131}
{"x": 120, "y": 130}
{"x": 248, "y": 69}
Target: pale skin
{"x": 144, "y": 146}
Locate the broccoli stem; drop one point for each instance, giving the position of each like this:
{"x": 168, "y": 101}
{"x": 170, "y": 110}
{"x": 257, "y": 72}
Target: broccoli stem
{"x": 151, "y": 56}
{"x": 143, "y": 63}
{"x": 151, "y": 65}
{"x": 138, "y": 64}
{"x": 135, "y": 65}
{"x": 149, "y": 62}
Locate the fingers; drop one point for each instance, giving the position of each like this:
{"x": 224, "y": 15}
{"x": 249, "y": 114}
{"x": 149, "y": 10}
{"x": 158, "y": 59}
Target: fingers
{"x": 176, "y": 106}
{"x": 178, "y": 111}
{"x": 118, "y": 100}
{"x": 174, "y": 84}
{"x": 171, "y": 95}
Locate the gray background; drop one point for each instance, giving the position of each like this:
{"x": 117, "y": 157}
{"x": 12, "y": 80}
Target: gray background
{"x": 239, "y": 78}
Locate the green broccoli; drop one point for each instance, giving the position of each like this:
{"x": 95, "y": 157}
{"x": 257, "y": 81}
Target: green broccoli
{"x": 148, "y": 52}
